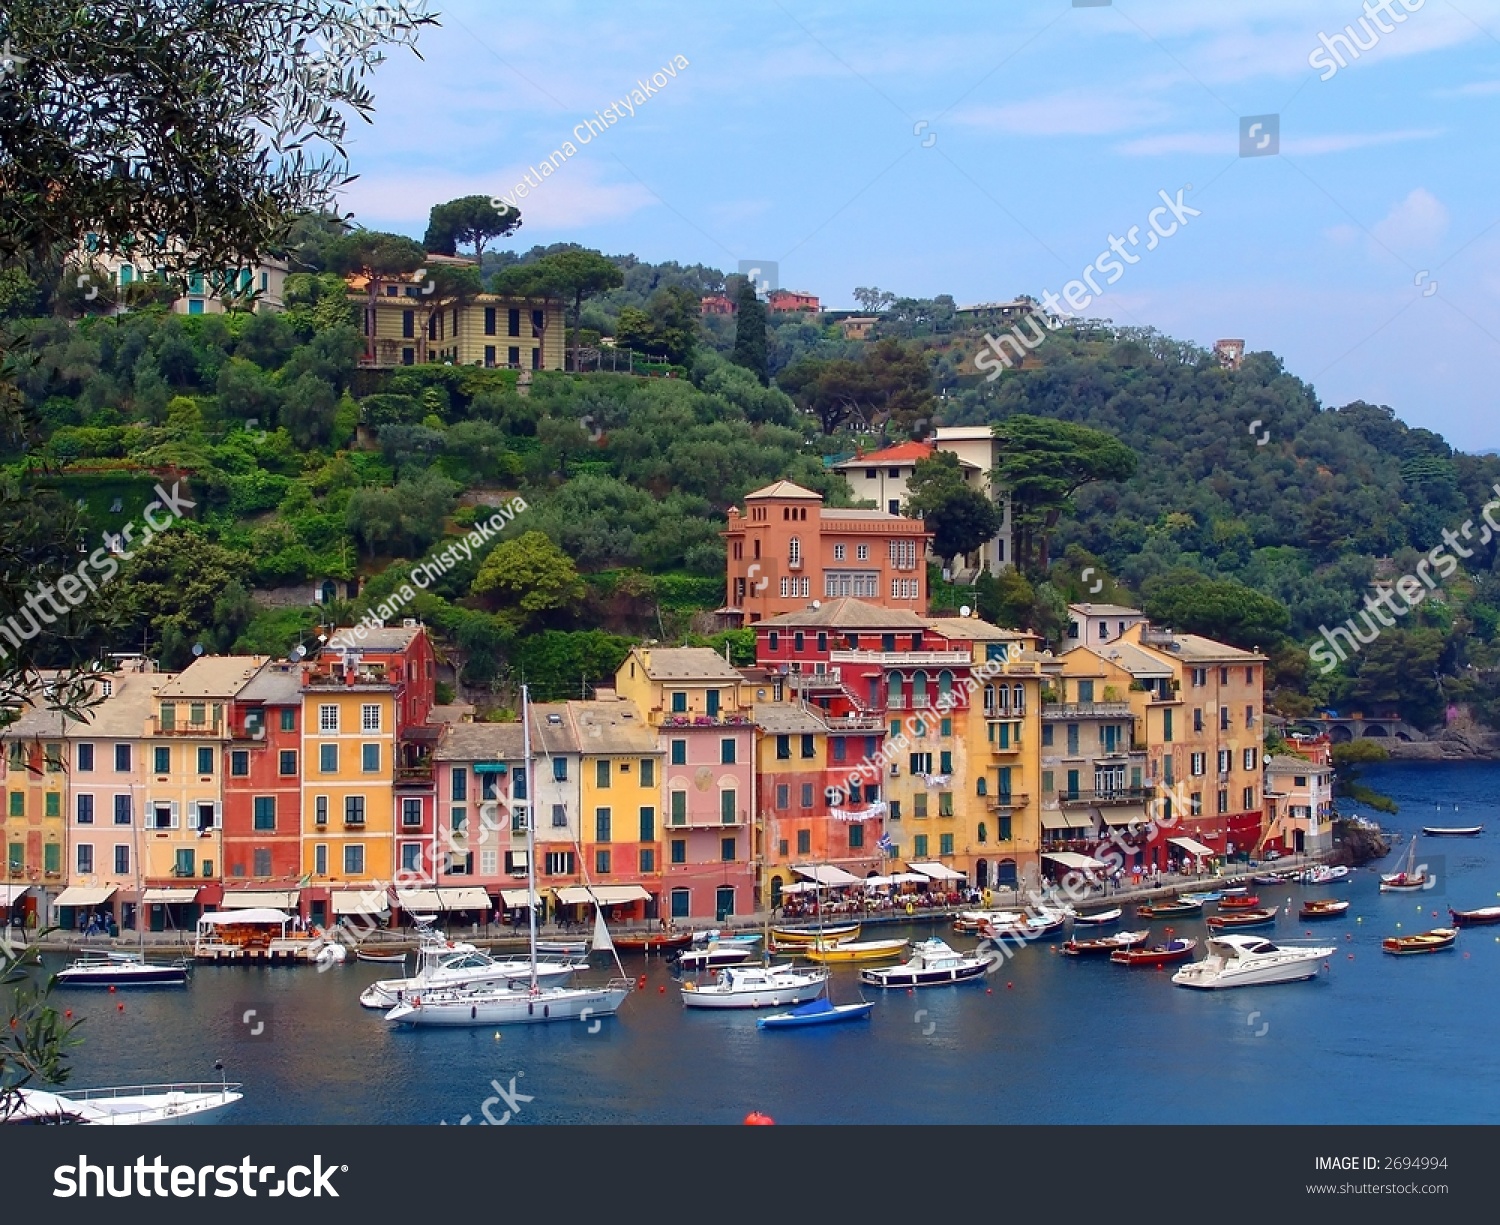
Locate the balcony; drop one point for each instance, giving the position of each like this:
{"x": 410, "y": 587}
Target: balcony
{"x": 417, "y": 774}
{"x": 1085, "y": 710}
{"x": 903, "y": 659}
{"x": 254, "y": 734}
{"x": 359, "y": 677}
{"x": 1008, "y": 801}
{"x": 209, "y": 728}
{"x": 1112, "y": 795}
{"x": 855, "y": 723}
{"x": 706, "y": 820}
{"x": 815, "y": 682}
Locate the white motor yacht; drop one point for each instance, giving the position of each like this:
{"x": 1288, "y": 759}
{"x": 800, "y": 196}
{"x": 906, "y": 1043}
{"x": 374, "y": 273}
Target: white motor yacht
{"x": 1250, "y": 961}
{"x": 462, "y": 967}
{"x": 124, "y": 1105}
{"x": 112, "y": 969}
{"x": 756, "y": 987}
{"x": 932, "y": 964}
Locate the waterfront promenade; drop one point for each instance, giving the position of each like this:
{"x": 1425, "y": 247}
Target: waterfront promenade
{"x": 504, "y": 935}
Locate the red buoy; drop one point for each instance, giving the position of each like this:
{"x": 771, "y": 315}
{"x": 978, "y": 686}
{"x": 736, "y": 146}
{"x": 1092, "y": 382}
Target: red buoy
{"x": 119, "y": 1007}
{"x": 989, "y": 991}
{"x": 662, "y": 990}
{"x": 756, "y": 1119}
{"x": 641, "y": 982}
{"x": 111, "y": 989}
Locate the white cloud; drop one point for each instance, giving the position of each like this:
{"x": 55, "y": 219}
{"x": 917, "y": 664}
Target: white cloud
{"x": 1227, "y": 143}
{"x": 1074, "y": 113}
{"x": 1417, "y": 222}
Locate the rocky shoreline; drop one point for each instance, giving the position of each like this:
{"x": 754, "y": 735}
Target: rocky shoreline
{"x": 1451, "y": 744}
{"x": 1357, "y": 842}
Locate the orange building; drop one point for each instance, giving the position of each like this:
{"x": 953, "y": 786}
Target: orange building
{"x": 787, "y": 549}
{"x": 792, "y": 300}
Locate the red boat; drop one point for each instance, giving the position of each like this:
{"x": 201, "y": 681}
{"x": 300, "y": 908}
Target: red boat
{"x": 1157, "y": 955}
{"x": 652, "y": 942}
{"x": 1242, "y": 918}
{"x": 1239, "y": 902}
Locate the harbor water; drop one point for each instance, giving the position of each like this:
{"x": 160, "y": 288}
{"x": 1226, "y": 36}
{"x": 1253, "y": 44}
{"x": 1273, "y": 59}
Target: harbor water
{"x": 1045, "y": 1039}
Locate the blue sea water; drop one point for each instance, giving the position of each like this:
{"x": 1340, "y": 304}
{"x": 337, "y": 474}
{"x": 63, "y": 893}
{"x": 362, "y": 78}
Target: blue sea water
{"x": 1048, "y": 1039}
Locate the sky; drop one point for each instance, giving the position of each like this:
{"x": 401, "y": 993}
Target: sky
{"x": 986, "y": 151}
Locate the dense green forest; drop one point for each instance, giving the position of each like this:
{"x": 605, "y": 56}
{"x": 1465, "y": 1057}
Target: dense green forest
{"x": 306, "y": 468}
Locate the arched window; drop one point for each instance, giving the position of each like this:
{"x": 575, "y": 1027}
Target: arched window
{"x": 1005, "y": 872}
{"x": 1018, "y": 699}
{"x": 897, "y": 698}
{"x": 775, "y": 891}
{"x": 919, "y": 689}
{"x": 945, "y": 685}
{"x": 794, "y": 550}
{"x": 982, "y": 872}
{"x": 982, "y": 787}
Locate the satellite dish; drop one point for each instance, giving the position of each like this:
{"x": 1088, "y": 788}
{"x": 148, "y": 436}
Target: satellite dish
{"x": 817, "y": 603}
{"x": 197, "y": 648}
{"x": 964, "y": 611}
{"x": 299, "y": 651}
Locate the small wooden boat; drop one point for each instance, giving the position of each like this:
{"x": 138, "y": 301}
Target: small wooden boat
{"x": 1322, "y": 908}
{"x": 1243, "y": 901}
{"x": 816, "y": 1012}
{"x": 1435, "y": 941}
{"x": 1100, "y": 919}
{"x": 1027, "y": 927}
{"x": 1241, "y": 918}
{"x": 1106, "y": 944}
{"x": 1212, "y": 895}
{"x": 811, "y": 935}
{"x": 1410, "y": 879}
{"x": 1268, "y": 878}
{"x": 563, "y": 948}
{"x": 1169, "y": 910}
{"x": 970, "y": 921}
{"x": 1483, "y": 917}
{"x": 1156, "y": 955}
{"x": 1452, "y": 831}
{"x": 380, "y": 958}
{"x": 652, "y": 942}
{"x": 830, "y": 953}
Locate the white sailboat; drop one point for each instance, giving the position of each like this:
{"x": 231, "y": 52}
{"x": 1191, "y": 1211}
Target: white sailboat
{"x": 523, "y": 1001}
{"x": 1410, "y": 879}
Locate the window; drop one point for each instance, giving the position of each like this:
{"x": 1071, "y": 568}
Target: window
{"x": 1223, "y": 800}
{"x": 124, "y": 810}
{"x": 354, "y": 810}
{"x": 411, "y": 812}
{"x": 1226, "y": 759}
{"x": 122, "y": 859}
{"x": 682, "y": 903}
{"x": 726, "y": 849}
{"x": 328, "y": 718}
{"x": 411, "y": 856}
{"x": 601, "y": 862}
{"x": 794, "y": 552}
{"x": 85, "y": 758}
{"x": 85, "y": 810}
{"x": 239, "y": 763}
{"x": 1249, "y": 759}
{"x": 369, "y": 717}
{"x": 328, "y": 758}
{"x": 288, "y": 718}
{"x": 122, "y": 759}
{"x": 1198, "y": 720}
{"x": 489, "y": 321}
{"x": 678, "y": 850}
{"x": 601, "y": 824}
{"x": 1200, "y": 677}
{"x": 86, "y": 859}
{"x": 52, "y": 804}
{"x": 161, "y": 761}
{"x": 164, "y": 815}
{"x": 679, "y": 807}
{"x": 919, "y": 805}
{"x": 945, "y": 844}
{"x": 265, "y": 816}
{"x": 320, "y": 810}
{"x": 286, "y": 763}
{"x": 458, "y": 818}
{"x": 783, "y": 796}
{"x": 648, "y": 859}
{"x": 460, "y": 785}
{"x": 919, "y": 846}
{"x": 921, "y": 763}
{"x": 517, "y": 783}
{"x": 807, "y": 795}
{"x": 727, "y": 803}
{"x": 184, "y": 864}
{"x": 895, "y": 810}
{"x": 861, "y": 552}
{"x": 1195, "y": 804}
{"x": 1248, "y": 799}
{"x": 1166, "y": 726}
{"x": 945, "y": 762}
{"x": 679, "y": 703}
{"x": 839, "y": 552}
{"x": 205, "y": 761}
{"x": 1197, "y": 763}
{"x": 560, "y": 769}
{"x": 320, "y": 859}
{"x": 354, "y": 860}
{"x": 783, "y": 748}
{"x": 679, "y": 752}
{"x": 1223, "y": 718}
{"x": 560, "y": 863}
{"x": 408, "y": 324}
{"x": 369, "y": 758}
{"x": 726, "y": 752}
{"x": 559, "y": 816}
{"x": 804, "y": 842}
{"x": 601, "y": 773}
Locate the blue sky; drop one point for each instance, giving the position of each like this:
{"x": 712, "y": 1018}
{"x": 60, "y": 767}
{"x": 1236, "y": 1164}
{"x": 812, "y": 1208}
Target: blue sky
{"x": 953, "y": 149}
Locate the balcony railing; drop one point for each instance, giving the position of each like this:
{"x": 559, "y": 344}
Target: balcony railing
{"x": 418, "y": 775}
{"x": 903, "y": 659}
{"x": 1009, "y": 800}
{"x": 691, "y": 719}
{"x": 256, "y": 733}
{"x": 209, "y": 727}
{"x": 1085, "y": 710}
{"x": 350, "y": 678}
{"x": 855, "y": 723}
{"x": 704, "y": 820}
{"x": 815, "y": 681}
{"x": 1111, "y": 795}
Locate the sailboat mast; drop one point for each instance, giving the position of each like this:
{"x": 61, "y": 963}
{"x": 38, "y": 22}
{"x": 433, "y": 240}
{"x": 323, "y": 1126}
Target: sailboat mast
{"x": 530, "y": 828}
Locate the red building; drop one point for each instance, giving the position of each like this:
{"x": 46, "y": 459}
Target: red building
{"x": 716, "y": 304}
{"x": 792, "y": 300}
{"x": 263, "y": 780}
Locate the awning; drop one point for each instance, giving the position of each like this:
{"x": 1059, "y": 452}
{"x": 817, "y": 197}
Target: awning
{"x": 826, "y": 874}
{"x": 607, "y": 895}
{"x": 11, "y": 894}
{"x": 518, "y": 860}
{"x": 1071, "y": 859}
{"x": 1125, "y": 814}
{"x": 519, "y": 897}
{"x": 490, "y": 767}
{"x": 83, "y": 895}
{"x": 805, "y": 886}
{"x": 897, "y": 878}
{"x": 170, "y": 896}
{"x": 1058, "y": 820}
{"x": 1192, "y": 847}
{"x": 262, "y": 899}
{"x": 249, "y": 915}
{"x": 425, "y": 901}
{"x": 936, "y": 871}
{"x": 360, "y": 901}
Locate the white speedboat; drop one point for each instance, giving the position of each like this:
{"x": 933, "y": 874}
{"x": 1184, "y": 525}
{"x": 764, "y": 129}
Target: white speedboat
{"x": 122, "y": 970}
{"x": 462, "y": 967}
{"x": 1324, "y": 875}
{"x": 124, "y": 1105}
{"x": 756, "y": 987}
{"x": 932, "y": 964}
{"x": 969, "y": 921}
{"x": 1250, "y": 961}
{"x": 715, "y": 955}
